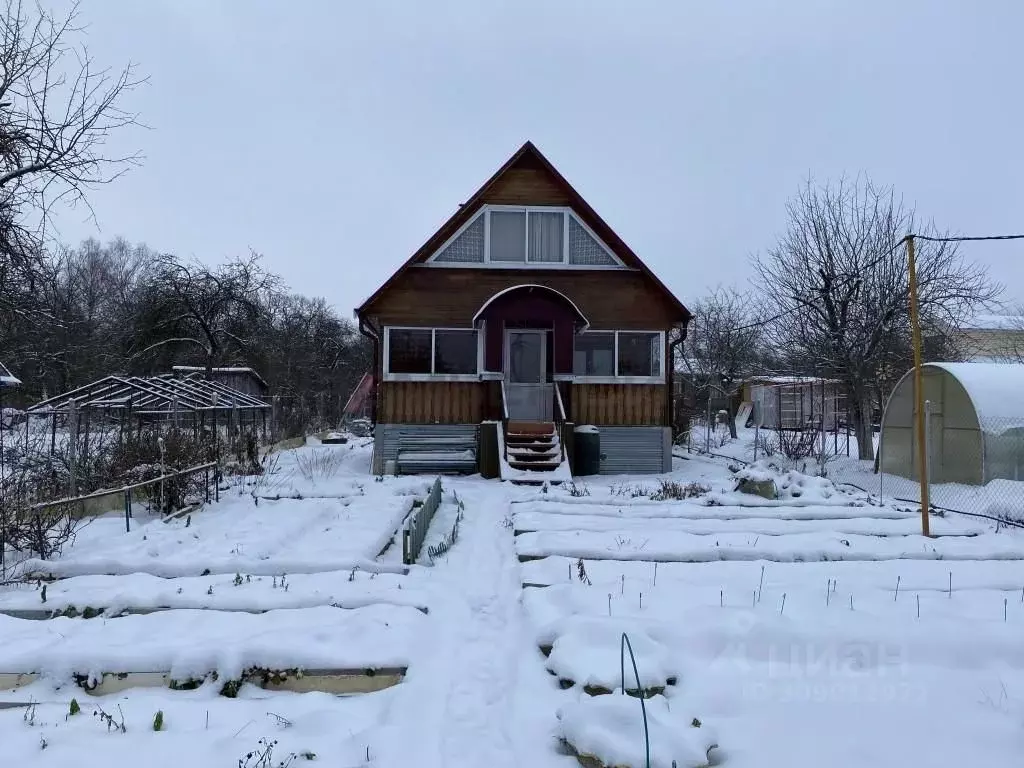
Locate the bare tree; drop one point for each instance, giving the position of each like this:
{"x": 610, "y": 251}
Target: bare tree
{"x": 837, "y": 282}
{"x": 57, "y": 110}
{"x": 723, "y": 344}
{"x": 215, "y": 312}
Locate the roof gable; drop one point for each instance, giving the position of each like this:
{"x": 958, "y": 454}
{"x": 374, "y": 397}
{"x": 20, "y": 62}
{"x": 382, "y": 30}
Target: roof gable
{"x": 528, "y": 178}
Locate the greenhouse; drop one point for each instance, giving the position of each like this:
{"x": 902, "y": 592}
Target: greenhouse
{"x": 974, "y": 425}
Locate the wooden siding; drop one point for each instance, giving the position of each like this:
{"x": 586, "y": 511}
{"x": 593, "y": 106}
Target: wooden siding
{"x": 527, "y": 186}
{"x": 432, "y": 402}
{"x": 619, "y": 404}
{"x": 610, "y": 299}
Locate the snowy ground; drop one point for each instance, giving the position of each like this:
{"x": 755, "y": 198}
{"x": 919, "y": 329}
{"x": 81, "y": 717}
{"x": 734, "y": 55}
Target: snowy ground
{"x": 817, "y": 629}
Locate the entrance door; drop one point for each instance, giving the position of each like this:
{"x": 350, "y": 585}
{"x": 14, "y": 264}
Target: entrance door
{"x": 529, "y": 394}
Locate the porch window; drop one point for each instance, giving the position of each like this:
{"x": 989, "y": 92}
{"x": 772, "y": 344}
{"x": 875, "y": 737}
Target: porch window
{"x": 594, "y": 354}
{"x": 639, "y": 354}
{"x": 613, "y": 356}
{"x": 455, "y": 352}
{"x": 427, "y": 352}
{"x": 409, "y": 350}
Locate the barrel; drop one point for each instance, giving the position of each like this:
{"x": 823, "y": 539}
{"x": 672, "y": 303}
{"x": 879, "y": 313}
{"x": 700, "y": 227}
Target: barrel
{"x": 588, "y": 450}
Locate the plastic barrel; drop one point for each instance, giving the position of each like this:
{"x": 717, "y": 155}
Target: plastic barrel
{"x": 588, "y": 450}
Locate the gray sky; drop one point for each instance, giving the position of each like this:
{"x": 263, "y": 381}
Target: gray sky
{"x": 334, "y": 137}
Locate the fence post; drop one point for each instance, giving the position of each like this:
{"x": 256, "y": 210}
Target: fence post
{"x": 927, "y": 458}
{"x": 72, "y": 447}
{"x": 128, "y": 510}
{"x": 881, "y": 458}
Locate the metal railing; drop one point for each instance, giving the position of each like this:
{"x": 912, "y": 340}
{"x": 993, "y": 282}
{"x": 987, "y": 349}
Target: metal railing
{"x": 128, "y": 491}
{"x": 414, "y": 530}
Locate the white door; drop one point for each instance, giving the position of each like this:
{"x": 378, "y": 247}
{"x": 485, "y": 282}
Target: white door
{"x": 529, "y": 394}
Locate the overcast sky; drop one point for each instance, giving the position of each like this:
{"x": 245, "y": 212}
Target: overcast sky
{"x": 334, "y": 137}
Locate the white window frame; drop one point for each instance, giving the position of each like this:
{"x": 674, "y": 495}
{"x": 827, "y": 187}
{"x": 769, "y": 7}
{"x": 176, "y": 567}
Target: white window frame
{"x": 486, "y": 210}
{"x": 616, "y": 379}
{"x": 389, "y": 376}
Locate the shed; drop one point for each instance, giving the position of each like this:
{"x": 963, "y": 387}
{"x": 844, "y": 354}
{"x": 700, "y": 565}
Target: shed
{"x": 974, "y": 424}
{"x": 795, "y": 402}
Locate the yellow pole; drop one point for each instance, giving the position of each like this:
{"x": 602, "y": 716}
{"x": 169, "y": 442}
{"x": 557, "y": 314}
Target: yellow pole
{"x": 922, "y": 444}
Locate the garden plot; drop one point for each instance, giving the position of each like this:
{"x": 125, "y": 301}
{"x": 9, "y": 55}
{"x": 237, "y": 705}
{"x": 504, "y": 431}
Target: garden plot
{"x": 664, "y": 546}
{"x": 239, "y": 535}
{"x": 190, "y": 645}
{"x": 769, "y": 525}
{"x": 761, "y": 674}
{"x": 738, "y": 579}
{"x": 200, "y": 728}
{"x": 693, "y": 511}
{"x": 140, "y": 592}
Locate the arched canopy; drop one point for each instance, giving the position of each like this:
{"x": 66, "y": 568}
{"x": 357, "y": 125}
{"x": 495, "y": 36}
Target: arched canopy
{"x": 525, "y": 292}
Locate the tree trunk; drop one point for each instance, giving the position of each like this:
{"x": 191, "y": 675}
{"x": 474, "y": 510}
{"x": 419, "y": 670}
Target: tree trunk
{"x": 860, "y": 415}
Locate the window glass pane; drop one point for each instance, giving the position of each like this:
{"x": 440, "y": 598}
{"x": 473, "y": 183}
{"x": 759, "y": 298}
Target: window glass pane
{"x": 584, "y": 249}
{"x": 508, "y": 236}
{"x": 546, "y": 236}
{"x": 594, "y": 354}
{"x": 639, "y": 354}
{"x": 467, "y": 247}
{"x": 455, "y": 352}
{"x": 409, "y": 350}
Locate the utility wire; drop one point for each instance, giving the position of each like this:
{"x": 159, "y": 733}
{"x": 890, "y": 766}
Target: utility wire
{"x": 875, "y": 262}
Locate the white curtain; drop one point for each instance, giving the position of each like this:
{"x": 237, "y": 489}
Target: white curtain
{"x": 546, "y": 236}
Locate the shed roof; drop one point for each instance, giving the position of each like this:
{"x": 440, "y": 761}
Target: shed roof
{"x": 996, "y": 390}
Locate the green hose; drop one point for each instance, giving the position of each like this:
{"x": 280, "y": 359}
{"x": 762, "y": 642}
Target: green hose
{"x": 625, "y": 644}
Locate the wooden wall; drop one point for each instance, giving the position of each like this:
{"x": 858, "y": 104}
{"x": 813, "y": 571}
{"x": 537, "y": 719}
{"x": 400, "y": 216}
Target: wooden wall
{"x": 619, "y": 404}
{"x": 437, "y": 402}
{"x": 610, "y": 299}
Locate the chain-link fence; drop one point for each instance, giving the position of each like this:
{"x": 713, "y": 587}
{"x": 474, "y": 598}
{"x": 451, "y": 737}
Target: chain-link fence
{"x": 974, "y": 466}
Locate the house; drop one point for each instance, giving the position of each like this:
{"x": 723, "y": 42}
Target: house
{"x": 525, "y": 310}
{"x": 992, "y": 338}
{"x": 241, "y": 379}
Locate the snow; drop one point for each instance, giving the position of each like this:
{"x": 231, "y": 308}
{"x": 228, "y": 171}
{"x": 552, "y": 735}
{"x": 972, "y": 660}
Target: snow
{"x": 994, "y": 390}
{"x": 818, "y": 629}
{"x": 225, "y": 643}
{"x": 585, "y": 651}
{"x": 588, "y": 429}
{"x": 610, "y": 728}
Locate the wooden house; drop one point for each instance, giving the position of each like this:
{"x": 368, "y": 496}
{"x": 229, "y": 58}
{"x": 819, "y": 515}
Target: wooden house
{"x": 525, "y": 313}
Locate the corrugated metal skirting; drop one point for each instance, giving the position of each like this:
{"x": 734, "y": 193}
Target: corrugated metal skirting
{"x": 387, "y": 438}
{"x": 635, "y": 450}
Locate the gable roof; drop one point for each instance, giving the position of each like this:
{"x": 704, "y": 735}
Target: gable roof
{"x": 527, "y": 153}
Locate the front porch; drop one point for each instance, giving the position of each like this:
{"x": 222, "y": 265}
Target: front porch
{"x": 528, "y": 357}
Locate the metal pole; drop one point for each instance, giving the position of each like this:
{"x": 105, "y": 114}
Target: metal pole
{"x": 881, "y": 458}
{"x": 915, "y": 327}
{"x": 928, "y": 444}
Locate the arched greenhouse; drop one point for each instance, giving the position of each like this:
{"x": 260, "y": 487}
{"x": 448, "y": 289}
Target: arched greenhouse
{"x": 975, "y": 423}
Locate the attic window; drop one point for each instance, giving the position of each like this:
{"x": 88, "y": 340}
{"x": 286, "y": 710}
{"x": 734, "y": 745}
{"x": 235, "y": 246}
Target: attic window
{"x": 525, "y": 236}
